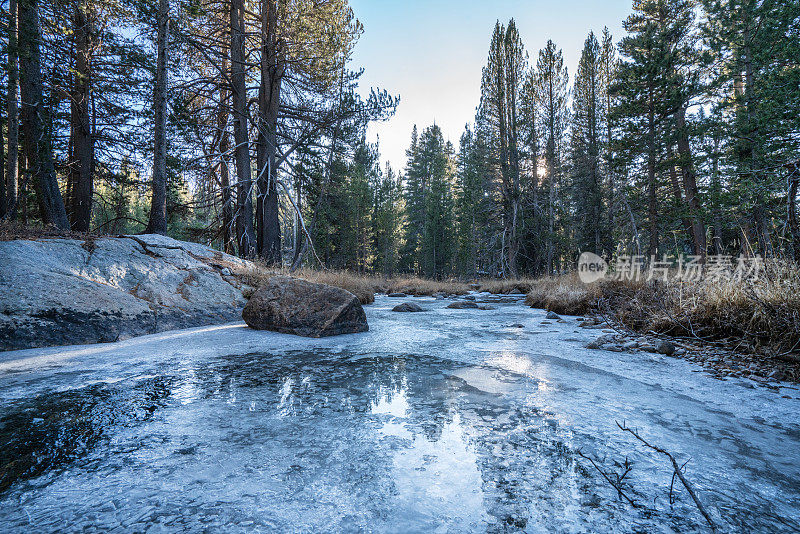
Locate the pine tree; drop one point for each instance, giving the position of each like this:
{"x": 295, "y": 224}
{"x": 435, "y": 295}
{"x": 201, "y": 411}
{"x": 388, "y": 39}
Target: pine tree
{"x": 655, "y": 87}
{"x": 501, "y": 84}
{"x": 585, "y": 147}
{"x": 551, "y": 96}
{"x": 754, "y": 78}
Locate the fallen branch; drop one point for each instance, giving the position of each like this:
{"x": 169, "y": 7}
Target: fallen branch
{"x": 617, "y": 485}
{"x": 677, "y": 472}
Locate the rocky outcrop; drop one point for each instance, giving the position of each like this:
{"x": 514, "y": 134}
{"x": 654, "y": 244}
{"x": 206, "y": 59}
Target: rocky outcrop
{"x": 295, "y": 306}
{"x": 68, "y": 291}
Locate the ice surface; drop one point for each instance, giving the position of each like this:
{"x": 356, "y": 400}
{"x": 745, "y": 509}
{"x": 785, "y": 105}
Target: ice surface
{"x": 442, "y": 421}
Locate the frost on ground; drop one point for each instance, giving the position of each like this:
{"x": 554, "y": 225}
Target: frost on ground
{"x": 449, "y": 420}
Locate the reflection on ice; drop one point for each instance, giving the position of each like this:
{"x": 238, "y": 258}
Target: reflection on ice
{"x": 477, "y": 434}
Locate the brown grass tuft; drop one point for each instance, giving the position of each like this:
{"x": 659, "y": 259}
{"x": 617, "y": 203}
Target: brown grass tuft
{"x": 757, "y": 314}
{"x": 504, "y": 287}
{"x": 362, "y": 286}
{"x": 563, "y": 294}
{"x": 12, "y": 230}
{"x": 413, "y": 285}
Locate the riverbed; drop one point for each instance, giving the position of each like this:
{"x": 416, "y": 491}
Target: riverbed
{"x": 441, "y": 421}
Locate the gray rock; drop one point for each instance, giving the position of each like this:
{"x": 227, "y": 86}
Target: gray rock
{"x": 777, "y": 374}
{"x": 295, "y": 306}
{"x": 665, "y": 347}
{"x": 67, "y": 291}
{"x": 407, "y": 307}
{"x": 469, "y": 297}
{"x": 397, "y": 295}
{"x": 486, "y": 307}
{"x": 462, "y": 305}
{"x": 553, "y": 315}
{"x": 630, "y": 345}
{"x": 601, "y": 342}
{"x": 516, "y": 325}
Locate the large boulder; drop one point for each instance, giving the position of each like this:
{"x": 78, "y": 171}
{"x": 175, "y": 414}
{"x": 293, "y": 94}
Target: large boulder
{"x": 295, "y": 306}
{"x": 71, "y": 291}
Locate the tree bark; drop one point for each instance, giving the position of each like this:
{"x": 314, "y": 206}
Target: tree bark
{"x": 689, "y": 175}
{"x": 82, "y": 162}
{"x": 652, "y": 199}
{"x": 157, "y": 224}
{"x": 12, "y": 170}
{"x": 791, "y": 200}
{"x": 225, "y": 175}
{"x": 244, "y": 201}
{"x": 269, "y": 95}
{"x": 3, "y": 197}
{"x": 38, "y": 146}
{"x": 678, "y": 193}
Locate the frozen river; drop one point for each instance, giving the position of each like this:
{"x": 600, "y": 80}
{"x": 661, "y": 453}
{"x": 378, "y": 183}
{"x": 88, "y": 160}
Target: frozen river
{"x": 442, "y": 421}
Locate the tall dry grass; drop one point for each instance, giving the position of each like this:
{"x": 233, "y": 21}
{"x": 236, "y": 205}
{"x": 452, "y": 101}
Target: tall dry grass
{"x": 361, "y": 285}
{"x": 414, "y": 285}
{"x": 763, "y": 313}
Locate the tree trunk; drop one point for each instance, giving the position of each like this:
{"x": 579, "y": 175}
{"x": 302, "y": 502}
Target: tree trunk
{"x": 791, "y": 199}
{"x": 269, "y": 95}
{"x": 3, "y": 196}
{"x": 38, "y": 147}
{"x": 225, "y": 174}
{"x": 652, "y": 199}
{"x": 158, "y": 207}
{"x": 678, "y": 193}
{"x": 81, "y": 168}
{"x": 244, "y": 199}
{"x": 298, "y": 231}
{"x": 12, "y": 172}
{"x": 690, "y": 185}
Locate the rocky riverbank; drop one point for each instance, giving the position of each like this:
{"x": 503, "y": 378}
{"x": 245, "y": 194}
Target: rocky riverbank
{"x": 71, "y": 291}
{"x": 719, "y": 360}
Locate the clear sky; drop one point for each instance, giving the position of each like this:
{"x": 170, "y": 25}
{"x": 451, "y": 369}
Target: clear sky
{"x": 431, "y": 53}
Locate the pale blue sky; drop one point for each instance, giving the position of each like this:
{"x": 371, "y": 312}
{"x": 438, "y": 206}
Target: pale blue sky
{"x": 431, "y": 53}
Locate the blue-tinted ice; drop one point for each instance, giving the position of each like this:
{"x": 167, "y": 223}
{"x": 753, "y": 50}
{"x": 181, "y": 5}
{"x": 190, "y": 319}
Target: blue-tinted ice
{"x": 443, "y": 421}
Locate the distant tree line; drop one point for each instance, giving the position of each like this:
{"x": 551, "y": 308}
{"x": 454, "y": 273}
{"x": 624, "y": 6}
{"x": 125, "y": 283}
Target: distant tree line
{"x": 240, "y": 124}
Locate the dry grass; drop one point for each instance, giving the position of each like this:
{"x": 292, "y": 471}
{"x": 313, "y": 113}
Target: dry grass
{"x": 12, "y": 230}
{"x": 756, "y": 315}
{"x": 506, "y": 286}
{"x": 362, "y": 286}
{"x": 563, "y": 294}
{"x": 763, "y": 313}
{"x": 413, "y": 285}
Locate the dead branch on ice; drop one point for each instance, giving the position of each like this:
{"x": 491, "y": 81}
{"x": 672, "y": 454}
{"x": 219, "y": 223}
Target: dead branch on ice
{"x": 616, "y": 483}
{"x": 678, "y": 471}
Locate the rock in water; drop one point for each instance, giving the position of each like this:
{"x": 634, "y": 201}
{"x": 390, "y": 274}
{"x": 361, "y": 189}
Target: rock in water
{"x": 462, "y": 305}
{"x": 553, "y": 315}
{"x": 666, "y": 348}
{"x": 397, "y": 295}
{"x": 408, "y": 307}
{"x": 303, "y": 308}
